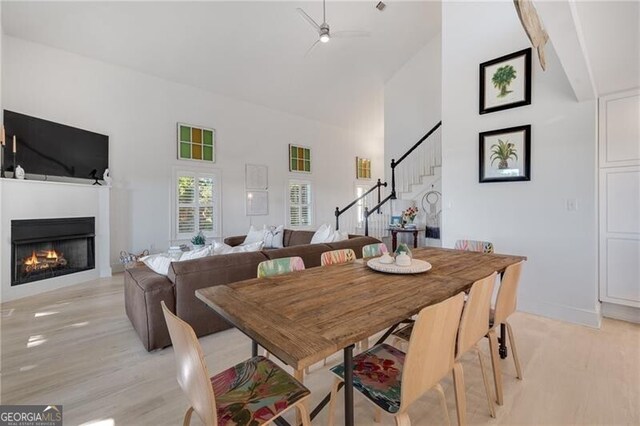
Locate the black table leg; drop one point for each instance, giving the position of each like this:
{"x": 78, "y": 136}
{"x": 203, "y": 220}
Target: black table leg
{"x": 503, "y": 341}
{"x": 348, "y": 386}
{"x": 254, "y": 348}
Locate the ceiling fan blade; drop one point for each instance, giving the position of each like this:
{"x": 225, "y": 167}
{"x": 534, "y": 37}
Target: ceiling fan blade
{"x": 311, "y": 48}
{"x": 309, "y": 19}
{"x": 350, "y": 34}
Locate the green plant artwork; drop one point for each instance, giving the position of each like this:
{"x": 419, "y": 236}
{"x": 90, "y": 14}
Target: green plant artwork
{"x": 503, "y": 151}
{"x": 502, "y": 79}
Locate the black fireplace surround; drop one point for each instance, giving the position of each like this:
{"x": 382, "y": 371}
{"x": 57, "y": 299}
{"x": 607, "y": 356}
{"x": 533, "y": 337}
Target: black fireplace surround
{"x": 47, "y": 248}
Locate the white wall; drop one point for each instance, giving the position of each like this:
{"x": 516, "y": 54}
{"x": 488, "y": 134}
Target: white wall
{"x": 526, "y": 218}
{"x": 139, "y": 113}
{"x": 412, "y": 101}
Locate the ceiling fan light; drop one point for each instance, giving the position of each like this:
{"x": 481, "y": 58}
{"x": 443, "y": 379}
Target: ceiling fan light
{"x": 324, "y": 38}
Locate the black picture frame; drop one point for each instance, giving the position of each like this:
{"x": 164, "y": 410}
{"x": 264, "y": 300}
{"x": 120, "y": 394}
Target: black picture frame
{"x": 504, "y": 174}
{"x": 525, "y": 90}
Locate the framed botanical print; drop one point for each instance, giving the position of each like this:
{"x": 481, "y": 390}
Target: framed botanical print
{"x": 505, "y": 155}
{"x": 505, "y": 82}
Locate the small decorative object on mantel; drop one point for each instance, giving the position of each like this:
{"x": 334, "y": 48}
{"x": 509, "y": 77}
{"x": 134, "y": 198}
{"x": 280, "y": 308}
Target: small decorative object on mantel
{"x": 19, "y": 173}
{"x": 505, "y": 155}
{"x": 3, "y": 142}
{"x": 199, "y": 240}
{"x": 106, "y": 177}
{"x": 505, "y": 82}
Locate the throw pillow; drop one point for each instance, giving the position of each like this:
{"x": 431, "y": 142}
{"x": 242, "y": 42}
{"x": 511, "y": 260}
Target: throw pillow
{"x": 158, "y": 263}
{"x": 274, "y": 237}
{"x": 339, "y": 236}
{"x": 253, "y": 236}
{"x": 324, "y": 234}
{"x": 195, "y": 254}
{"x": 222, "y": 248}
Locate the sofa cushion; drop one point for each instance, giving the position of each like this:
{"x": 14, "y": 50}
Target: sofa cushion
{"x": 297, "y": 238}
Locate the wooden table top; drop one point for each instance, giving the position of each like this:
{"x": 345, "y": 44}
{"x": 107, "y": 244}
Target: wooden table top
{"x": 305, "y": 316}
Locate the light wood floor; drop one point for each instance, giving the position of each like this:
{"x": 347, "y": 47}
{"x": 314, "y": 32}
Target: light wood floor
{"x": 76, "y": 347}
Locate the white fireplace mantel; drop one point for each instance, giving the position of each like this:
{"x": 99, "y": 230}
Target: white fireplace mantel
{"x": 33, "y": 199}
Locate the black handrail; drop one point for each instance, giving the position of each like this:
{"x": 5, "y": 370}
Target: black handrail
{"x": 394, "y": 163}
{"x": 338, "y": 211}
{"x": 368, "y": 212}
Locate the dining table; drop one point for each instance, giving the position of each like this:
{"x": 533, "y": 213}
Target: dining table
{"x": 303, "y": 317}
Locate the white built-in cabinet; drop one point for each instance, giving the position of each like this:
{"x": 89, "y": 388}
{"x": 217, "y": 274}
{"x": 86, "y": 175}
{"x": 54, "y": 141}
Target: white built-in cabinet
{"x": 619, "y": 195}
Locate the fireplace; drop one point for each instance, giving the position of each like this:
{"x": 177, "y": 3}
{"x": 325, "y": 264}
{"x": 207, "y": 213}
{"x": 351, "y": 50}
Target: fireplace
{"x": 47, "y": 248}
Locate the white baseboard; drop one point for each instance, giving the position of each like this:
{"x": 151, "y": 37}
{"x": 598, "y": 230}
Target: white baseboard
{"x": 117, "y": 268}
{"x": 621, "y": 312}
{"x": 562, "y": 312}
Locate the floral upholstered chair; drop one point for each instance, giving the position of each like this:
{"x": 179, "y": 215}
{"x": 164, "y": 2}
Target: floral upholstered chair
{"x": 472, "y": 245}
{"x": 253, "y": 392}
{"x": 284, "y": 265}
{"x": 374, "y": 250}
{"x": 335, "y": 257}
{"x": 393, "y": 380}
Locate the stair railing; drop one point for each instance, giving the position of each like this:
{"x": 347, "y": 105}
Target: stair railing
{"x": 339, "y": 211}
{"x": 392, "y": 196}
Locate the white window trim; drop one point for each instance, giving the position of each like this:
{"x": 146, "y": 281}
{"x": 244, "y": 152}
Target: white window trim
{"x": 312, "y": 205}
{"x": 216, "y": 174}
{"x": 360, "y": 205}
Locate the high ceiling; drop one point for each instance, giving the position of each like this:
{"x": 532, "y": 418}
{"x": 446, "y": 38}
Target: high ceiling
{"x": 254, "y": 51}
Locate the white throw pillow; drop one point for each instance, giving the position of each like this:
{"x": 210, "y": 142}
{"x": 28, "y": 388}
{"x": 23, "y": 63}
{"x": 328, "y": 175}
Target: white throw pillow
{"x": 195, "y": 254}
{"x": 158, "y": 263}
{"x": 253, "y": 236}
{"x": 222, "y": 248}
{"x": 324, "y": 234}
{"x": 274, "y": 237}
{"x": 339, "y": 236}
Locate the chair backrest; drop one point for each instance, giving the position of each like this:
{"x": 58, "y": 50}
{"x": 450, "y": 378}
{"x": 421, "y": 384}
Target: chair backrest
{"x": 474, "y": 324}
{"x": 472, "y": 245}
{"x": 193, "y": 376}
{"x": 284, "y": 265}
{"x": 507, "y": 293}
{"x": 374, "y": 250}
{"x": 335, "y": 257}
{"x": 431, "y": 351}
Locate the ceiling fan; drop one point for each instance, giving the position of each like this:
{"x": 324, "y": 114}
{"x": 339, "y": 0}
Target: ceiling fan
{"x": 324, "y": 31}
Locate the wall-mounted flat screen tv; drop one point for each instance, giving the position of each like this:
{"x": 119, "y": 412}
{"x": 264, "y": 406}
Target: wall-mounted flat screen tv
{"x": 53, "y": 149}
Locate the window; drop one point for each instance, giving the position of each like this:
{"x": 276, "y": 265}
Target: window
{"x": 196, "y": 143}
{"x": 300, "y": 204}
{"x": 360, "y": 189}
{"x": 197, "y": 204}
{"x": 299, "y": 159}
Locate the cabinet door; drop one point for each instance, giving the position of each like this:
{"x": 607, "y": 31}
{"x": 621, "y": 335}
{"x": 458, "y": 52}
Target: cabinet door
{"x": 620, "y": 235}
{"x": 619, "y": 134}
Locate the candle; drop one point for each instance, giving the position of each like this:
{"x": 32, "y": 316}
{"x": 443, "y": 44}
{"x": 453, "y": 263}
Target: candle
{"x": 14, "y": 144}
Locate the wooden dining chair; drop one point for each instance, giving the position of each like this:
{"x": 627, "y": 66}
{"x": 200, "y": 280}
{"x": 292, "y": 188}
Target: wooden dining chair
{"x": 253, "y": 392}
{"x": 393, "y": 380}
{"x": 284, "y": 265}
{"x": 374, "y": 250}
{"x": 473, "y": 245}
{"x": 506, "y": 303}
{"x": 335, "y": 257}
{"x": 473, "y": 328}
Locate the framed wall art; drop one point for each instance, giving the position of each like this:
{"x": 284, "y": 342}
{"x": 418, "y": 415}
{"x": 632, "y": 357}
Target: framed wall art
{"x": 505, "y": 155}
{"x": 196, "y": 143}
{"x": 363, "y": 168}
{"x": 505, "y": 82}
{"x": 299, "y": 158}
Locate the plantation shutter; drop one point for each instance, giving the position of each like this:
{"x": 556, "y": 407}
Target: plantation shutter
{"x": 300, "y": 207}
{"x": 196, "y": 195}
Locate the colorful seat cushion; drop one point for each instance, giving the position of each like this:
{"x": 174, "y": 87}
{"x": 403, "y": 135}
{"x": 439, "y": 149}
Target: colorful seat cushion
{"x": 374, "y": 250}
{"x": 253, "y": 392}
{"x": 337, "y": 256}
{"x": 280, "y": 266}
{"x": 471, "y": 245}
{"x": 377, "y": 374}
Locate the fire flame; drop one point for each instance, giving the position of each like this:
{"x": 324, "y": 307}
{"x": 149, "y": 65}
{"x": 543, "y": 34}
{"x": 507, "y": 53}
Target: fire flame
{"x": 51, "y": 254}
{"x": 33, "y": 260}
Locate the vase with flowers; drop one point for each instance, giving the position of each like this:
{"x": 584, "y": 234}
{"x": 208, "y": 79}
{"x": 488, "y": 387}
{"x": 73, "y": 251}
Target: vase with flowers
{"x": 409, "y": 215}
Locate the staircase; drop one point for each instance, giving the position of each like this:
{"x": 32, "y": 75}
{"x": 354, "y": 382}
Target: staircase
{"x": 412, "y": 175}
